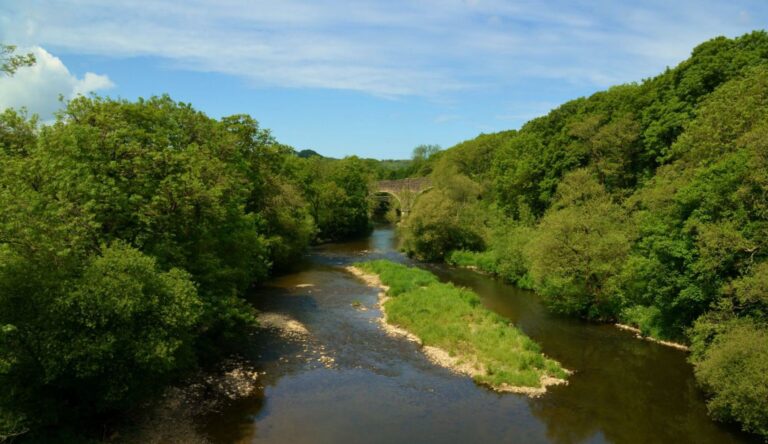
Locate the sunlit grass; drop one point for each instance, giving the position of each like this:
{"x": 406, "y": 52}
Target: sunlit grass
{"x": 489, "y": 262}
{"x": 455, "y": 320}
{"x": 482, "y": 260}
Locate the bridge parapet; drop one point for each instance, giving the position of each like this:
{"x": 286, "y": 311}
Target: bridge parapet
{"x": 412, "y": 184}
{"x": 405, "y": 190}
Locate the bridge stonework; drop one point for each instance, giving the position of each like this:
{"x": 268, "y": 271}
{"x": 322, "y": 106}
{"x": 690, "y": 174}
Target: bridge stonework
{"x": 406, "y": 191}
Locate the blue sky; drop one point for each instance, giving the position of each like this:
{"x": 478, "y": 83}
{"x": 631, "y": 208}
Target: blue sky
{"x": 373, "y": 78}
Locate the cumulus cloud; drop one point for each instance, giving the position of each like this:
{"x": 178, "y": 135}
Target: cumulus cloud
{"x": 39, "y": 87}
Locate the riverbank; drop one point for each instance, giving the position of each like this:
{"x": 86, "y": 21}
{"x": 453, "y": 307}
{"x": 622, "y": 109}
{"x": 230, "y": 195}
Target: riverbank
{"x": 481, "y": 263}
{"x": 457, "y": 332}
{"x": 639, "y": 335}
{"x": 171, "y": 417}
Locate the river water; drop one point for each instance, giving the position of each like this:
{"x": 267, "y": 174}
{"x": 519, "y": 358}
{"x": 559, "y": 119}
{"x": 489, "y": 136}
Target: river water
{"x": 350, "y": 383}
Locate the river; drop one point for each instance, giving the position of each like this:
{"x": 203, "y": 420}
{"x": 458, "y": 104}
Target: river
{"x": 350, "y": 383}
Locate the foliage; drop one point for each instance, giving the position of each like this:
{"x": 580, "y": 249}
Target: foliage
{"x": 420, "y": 164}
{"x": 391, "y": 169}
{"x": 702, "y": 217}
{"x": 17, "y": 132}
{"x": 733, "y": 366}
{"x": 10, "y": 62}
{"x": 454, "y": 319}
{"x": 504, "y": 257}
{"x": 645, "y": 203}
{"x": 128, "y": 233}
{"x": 485, "y": 261}
{"x": 646, "y": 318}
{"x": 338, "y": 195}
{"x": 423, "y": 158}
{"x": 446, "y": 218}
{"x": 578, "y": 249}
{"x": 729, "y": 351}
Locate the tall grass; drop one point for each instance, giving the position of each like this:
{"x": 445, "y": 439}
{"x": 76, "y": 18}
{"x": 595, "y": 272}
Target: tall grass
{"x": 493, "y": 263}
{"x": 455, "y": 320}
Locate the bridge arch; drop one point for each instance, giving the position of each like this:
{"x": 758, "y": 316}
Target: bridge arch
{"x": 405, "y": 191}
{"x": 384, "y": 202}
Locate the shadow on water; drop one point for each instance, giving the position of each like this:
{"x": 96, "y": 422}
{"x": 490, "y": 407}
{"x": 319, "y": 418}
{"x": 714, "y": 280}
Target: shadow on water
{"x": 382, "y": 390}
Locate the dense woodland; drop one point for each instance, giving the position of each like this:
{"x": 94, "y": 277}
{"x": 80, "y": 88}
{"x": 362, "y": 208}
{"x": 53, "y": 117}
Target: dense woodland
{"x": 129, "y": 231}
{"x": 645, "y": 204}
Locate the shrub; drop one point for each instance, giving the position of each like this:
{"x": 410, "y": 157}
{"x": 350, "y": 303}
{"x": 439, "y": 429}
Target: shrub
{"x": 731, "y": 363}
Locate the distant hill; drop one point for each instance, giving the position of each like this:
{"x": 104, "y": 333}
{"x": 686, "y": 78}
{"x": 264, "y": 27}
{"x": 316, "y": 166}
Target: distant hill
{"x": 308, "y": 153}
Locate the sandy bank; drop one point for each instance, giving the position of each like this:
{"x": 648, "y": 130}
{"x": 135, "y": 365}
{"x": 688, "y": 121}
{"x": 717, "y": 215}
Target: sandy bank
{"x": 460, "y": 364}
{"x": 286, "y": 325}
{"x": 639, "y": 335}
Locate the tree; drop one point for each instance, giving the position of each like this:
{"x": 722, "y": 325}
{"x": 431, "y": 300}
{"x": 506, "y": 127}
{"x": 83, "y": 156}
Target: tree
{"x": 337, "y": 193}
{"x": 124, "y": 312}
{"x": 446, "y": 218}
{"x": 579, "y": 248}
{"x": 646, "y": 203}
{"x": 95, "y": 342}
{"x": 420, "y": 159}
{"x": 10, "y": 62}
{"x": 730, "y": 359}
{"x": 128, "y": 233}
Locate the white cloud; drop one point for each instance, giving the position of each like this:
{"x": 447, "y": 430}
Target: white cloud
{"x": 38, "y": 87}
{"x": 390, "y": 48}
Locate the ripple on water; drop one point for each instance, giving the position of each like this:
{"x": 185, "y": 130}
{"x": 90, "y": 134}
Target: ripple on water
{"x": 381, "y": 389}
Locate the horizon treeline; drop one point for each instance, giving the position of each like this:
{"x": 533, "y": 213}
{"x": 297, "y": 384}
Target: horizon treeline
{"x": 645, "y": 204}
{"x": 129, "y": 232}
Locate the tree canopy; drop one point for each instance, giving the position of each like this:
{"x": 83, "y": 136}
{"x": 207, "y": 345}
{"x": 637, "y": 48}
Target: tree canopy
{"x": 129, "y": 232}
{"x": 644, "y": 204}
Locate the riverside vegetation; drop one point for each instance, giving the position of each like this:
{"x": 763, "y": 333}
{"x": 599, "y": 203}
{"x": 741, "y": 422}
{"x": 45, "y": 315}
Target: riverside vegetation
{"x": 645, "y": 204}
{"x": 130, "y": 230}
{"x": 478, "y": 342}
{"x": 128, "y": 233}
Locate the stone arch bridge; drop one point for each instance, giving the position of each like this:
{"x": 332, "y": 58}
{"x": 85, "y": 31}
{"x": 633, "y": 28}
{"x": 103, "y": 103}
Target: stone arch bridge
{"x": 405, "y": 191}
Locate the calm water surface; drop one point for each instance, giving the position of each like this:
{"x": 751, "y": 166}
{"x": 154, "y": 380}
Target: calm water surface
{"x": 382, "y": 390}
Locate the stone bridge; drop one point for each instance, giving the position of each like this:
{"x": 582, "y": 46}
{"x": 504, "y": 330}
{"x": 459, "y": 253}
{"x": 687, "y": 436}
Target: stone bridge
{"x": 405, "y": 191}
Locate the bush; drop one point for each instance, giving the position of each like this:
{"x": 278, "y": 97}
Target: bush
{"x": 110, "y": 338}
{"x": 647, "y": 319}
{"x": 486, "y": 261}
{"x": 579, "y": 248}
{"x": 731, "y": 363}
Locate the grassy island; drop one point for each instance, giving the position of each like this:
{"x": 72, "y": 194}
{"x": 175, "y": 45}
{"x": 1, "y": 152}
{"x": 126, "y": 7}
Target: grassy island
{"x": 457, "y": 331}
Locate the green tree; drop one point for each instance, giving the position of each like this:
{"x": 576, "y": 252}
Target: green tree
{"x": 579, "y": 248}
{"x": 337, "y": 192}
{"x": 645, "y": 202}
{"x": 10, "y": 62}
{"x": 120, "y": 329}
{"x": 128, "y": 231}
{"x": 730, "y": 358}
{"x": 446, "y": 218}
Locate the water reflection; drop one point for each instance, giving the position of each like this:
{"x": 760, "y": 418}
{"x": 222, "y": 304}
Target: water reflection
{"x": 383, "y": 390}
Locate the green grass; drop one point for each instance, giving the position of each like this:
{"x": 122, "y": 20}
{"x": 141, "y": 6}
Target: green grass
{"x": 489, "y": 262}
{"x": 647, "y": 319}
{"x": 482, "y": 260}
{"x": 455, "y": 320}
